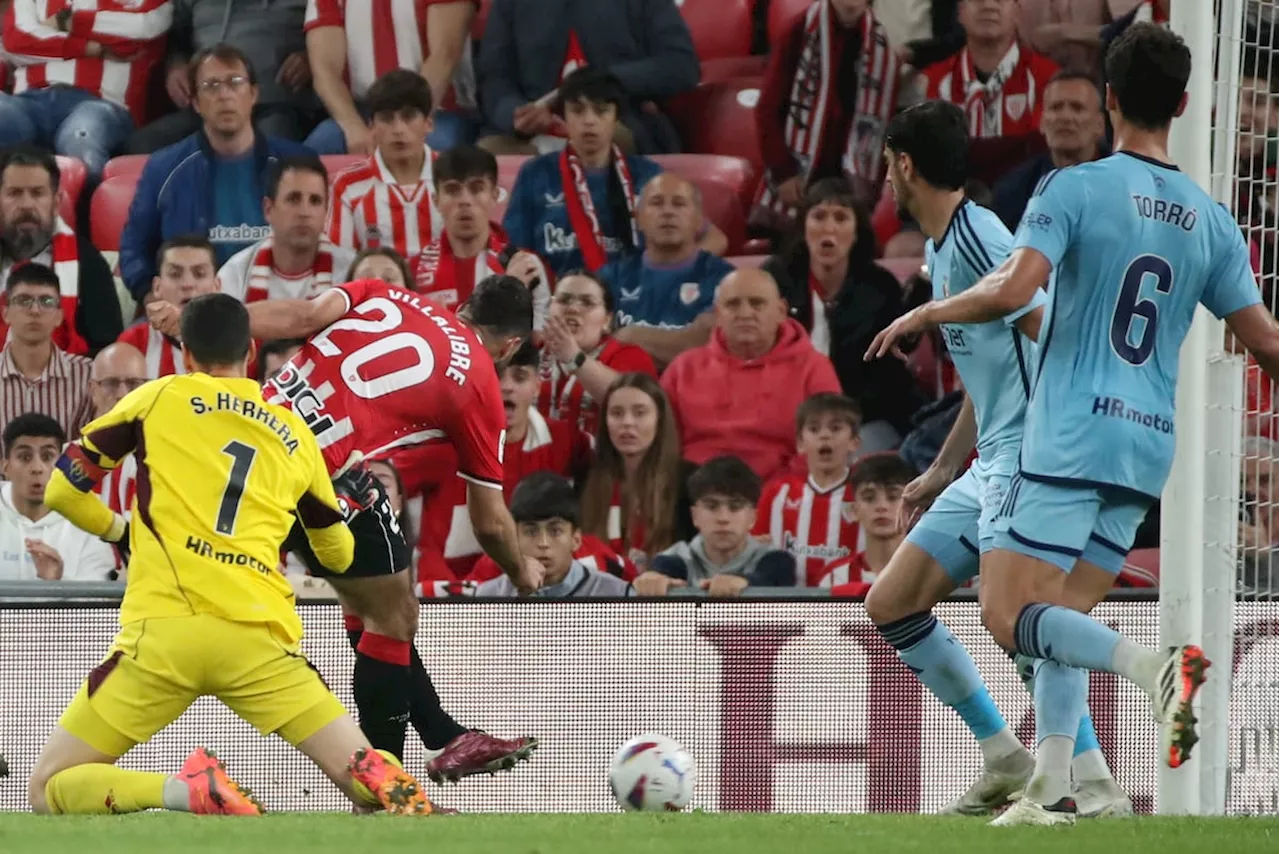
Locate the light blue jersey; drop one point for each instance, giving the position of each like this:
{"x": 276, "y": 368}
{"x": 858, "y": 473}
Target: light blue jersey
{"x": 994, "y": 359}
{"x": 1135, "y": 245}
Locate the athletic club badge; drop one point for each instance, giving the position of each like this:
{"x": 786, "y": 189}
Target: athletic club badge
{"x": 689, "y": 292}
{"x": 1015, "y": 106}
{"x": 846, "y": 513}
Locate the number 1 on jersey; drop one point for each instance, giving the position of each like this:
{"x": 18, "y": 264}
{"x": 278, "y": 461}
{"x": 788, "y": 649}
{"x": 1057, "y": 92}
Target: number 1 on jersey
{"x": 1130, "y": 305}
{"x": 242, "y": 457}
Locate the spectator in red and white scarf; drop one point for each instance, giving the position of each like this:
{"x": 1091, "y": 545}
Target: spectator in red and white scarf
{"x": 828, "y": 93}
{"x": 472, "y": 248}
{"x": 187, "y": 269}
{"x": 999, "y": 82}
{"x": 295, "y": 261}
{"x": 82, "y": 74}
{"x": 31, "y": 230}
{"x": 580, "y": 359}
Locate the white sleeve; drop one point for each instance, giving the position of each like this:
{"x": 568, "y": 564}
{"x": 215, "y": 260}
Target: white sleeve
{"x": 86, "y": 558}
{"x": 233, "y": 278}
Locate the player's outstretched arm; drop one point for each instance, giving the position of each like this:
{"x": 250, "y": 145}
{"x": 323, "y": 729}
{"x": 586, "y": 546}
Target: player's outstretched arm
{"x": 66, "y": 495}
{"x": 1255, "y": 328}
{"x": 495, "y": 530}
{"x": 296, "y": 318}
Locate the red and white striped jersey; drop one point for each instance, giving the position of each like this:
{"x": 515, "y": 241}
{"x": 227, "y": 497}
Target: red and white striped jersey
{"x": 44, "y": 56}
{"x": 116, "y": 489}
{"x": 61, "y": 392}
{"x": 563, "y": 397}
{"x": 369, "y": 208}
{"x": 816, "y": 525}
{"x": 383, "y": 35}
{"x": 251, "y": 275}
{"x": 163, "y": 354}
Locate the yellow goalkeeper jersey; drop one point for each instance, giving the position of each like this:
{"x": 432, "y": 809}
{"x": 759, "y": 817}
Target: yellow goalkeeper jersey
{"x": 221, "y": 474}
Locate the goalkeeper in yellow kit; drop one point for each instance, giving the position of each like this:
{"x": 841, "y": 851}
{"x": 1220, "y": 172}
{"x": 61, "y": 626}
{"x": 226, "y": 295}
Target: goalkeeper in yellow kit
{"x": 221, "y": 475}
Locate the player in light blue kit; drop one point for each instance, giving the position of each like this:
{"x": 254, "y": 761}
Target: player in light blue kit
{"x": 927, "y": 153}
{"x": 1134, "y": 245}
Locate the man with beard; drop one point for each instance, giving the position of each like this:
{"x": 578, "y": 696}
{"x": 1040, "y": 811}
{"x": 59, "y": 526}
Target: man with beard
{"x": 31, "y": 230}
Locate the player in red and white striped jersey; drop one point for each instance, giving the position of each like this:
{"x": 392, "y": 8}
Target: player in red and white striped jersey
{"x": 471, "y": 246}
{"x": 353, "y": 43}
{"x": 878, "y": 481}
{"x": 812, "y": 515}
{"x": 295, "y": 261}
{"x": 387, "y": 200}
{"x": 81, "y": 68}
{"x": 187, "y": 268}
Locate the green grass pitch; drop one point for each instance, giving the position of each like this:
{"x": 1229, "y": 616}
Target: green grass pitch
{"x": 696, "y": 833}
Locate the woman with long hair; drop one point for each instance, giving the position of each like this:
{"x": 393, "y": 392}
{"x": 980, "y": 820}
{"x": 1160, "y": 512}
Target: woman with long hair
{"x": 635, "y": 497}
{"x": 827, "y": 274}
{"x": 382, "y": 263}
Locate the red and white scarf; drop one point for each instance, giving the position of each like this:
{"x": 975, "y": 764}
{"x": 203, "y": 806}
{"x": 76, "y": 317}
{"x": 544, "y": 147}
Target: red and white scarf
{"x": 63, "y": 255}
{"x": 445, "y": 279}
{"x": 582, "y": 210}
{"x": 1149, "y": 13}
{"x": 163, "y": 355}
{"x": 1005, "y": 105}
{"x": 264, "y": 266}
{"x": 814, "y": 90}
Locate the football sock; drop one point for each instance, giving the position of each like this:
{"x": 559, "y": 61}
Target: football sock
{"x": 1065, "y": 636}
{"x": 435, "y": 726}
{"x": 97, "y": 789}
{"x": 945, "y": 667}
{"x": 380, "y": 685}
{"x": 1138, "y": 664}
{"x": 1060, "y": 696}
{"x": 1088, "y": 763}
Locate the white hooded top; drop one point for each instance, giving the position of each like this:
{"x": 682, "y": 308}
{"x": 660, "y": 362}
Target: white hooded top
{"x": 84, "y": 556}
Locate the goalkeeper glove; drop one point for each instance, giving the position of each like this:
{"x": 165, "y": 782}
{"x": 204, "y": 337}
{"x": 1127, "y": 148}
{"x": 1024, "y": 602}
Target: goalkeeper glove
{"x": 357, "y": 490}
{"x": 118, "y": 536}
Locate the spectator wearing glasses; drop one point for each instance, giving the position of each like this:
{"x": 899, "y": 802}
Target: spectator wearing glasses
{"x": 82, "y": 73}
{"x": 35, "y": 542}
{"x": 36, "y": 376}
{"x": 116, "y": 371}
{"x": 580, "y": 359}
{"x": 211, "y": 183}
{"x": 32, "y": 230}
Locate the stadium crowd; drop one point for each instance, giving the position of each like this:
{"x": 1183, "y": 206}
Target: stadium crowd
{"x": 693, "y": 191}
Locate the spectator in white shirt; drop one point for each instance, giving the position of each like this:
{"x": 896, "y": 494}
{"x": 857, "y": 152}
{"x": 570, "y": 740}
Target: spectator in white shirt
{"x": 295, "y": 261}
{"x": 35, "y": 542}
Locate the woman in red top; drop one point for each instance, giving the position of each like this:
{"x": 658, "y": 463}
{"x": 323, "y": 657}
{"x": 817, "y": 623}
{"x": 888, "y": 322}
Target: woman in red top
{"x": 580, "y": 359}
{"x": 635, "y": 496}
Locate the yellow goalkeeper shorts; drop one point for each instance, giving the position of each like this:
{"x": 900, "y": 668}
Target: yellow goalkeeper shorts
{"x": 158, "y": 667}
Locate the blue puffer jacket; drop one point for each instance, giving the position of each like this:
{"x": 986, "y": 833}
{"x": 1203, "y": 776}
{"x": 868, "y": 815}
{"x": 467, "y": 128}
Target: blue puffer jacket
{"x": 175, "y": 196}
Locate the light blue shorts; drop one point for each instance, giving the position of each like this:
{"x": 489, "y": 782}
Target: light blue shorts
{"x": 959, "y": 526}
{"x": 1061, "y": 523}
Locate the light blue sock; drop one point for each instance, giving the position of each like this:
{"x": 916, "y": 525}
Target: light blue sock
{"x": 945, "y": 667}
{"x": 1065, "y": 636}
{"x": 1086, "y": 737}
{"x": 1060, "y": 696}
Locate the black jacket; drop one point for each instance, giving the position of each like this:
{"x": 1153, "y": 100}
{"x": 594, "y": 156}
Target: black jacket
{"x": 870, "y": 300}
{"x": 98, "y": 310}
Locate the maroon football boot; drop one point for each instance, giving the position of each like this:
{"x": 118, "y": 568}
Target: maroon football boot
{"x": 477, "y": 752}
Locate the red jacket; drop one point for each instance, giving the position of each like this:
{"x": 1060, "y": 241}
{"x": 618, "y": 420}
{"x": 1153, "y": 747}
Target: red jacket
{"x": 727, "y": 405}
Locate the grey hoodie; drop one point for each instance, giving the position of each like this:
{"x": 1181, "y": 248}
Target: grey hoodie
{"x": 761, "y": 565}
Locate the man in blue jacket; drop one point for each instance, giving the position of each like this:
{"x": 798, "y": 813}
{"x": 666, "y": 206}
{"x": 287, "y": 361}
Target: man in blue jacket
{"x": 212, "y": 182}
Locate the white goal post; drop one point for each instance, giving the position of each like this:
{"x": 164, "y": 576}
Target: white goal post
{"x": 1204, "y": 502}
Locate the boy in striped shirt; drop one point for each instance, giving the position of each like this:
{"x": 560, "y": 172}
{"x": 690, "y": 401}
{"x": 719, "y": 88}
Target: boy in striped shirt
{"x": 811, "y": 515}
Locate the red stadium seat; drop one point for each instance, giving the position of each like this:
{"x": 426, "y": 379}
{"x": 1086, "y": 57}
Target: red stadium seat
{"x": 69, "y": 187}
{"x": 744, "y": 70}
{"x": 478, "y": 22}
{"x": 335, "y": 163}
{"x": 748, "y": 260}
{"x": 782, "y": 13}
{"x": 109, "y": 210}
{"x": 720, "y": 28}
{"x": 124, "y": 166}
{"x": 508, "y": 168}
{"x": 1141, "y": 569}
{"x": 721, "y": 205}
{"x": 734, "y": 172}
{"x": 902, "y": 268}
{"x": 720, "y": 118}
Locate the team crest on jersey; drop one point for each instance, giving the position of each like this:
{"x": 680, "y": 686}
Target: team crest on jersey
{"x": 847, "y": 513}
{"x": 1015, "y": 106}
{"x": 689, "y": 292}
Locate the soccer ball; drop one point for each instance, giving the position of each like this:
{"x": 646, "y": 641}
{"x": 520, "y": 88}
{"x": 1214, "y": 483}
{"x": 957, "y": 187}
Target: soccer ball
{"x": 652, "y": 772}
{"x": 368, "y": 798}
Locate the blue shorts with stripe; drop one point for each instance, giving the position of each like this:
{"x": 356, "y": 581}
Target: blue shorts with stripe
{"x": 958, "y": 527}
{"x": 1060, "y": 523}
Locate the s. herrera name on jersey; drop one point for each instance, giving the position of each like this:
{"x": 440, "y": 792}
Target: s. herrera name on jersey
{"x": 204, "y": 548}
{"x": 1114, "y": 407}
{"x": 226, "y": 402}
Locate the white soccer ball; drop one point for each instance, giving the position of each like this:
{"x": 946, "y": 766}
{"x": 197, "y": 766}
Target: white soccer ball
{"x": 651, "y": 773}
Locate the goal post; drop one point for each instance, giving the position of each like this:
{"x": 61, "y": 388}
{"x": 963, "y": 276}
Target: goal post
{"x": 1203, "y": 503}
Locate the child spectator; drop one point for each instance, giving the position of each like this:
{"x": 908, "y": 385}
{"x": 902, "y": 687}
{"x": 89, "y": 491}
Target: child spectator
{"x": 634, "y": 497}
{"x": 382, "y": 263}
{"x": 878, "y": 481}
{"x": 545, "y": 508}
{"x": 723, "y": 559}
{"x": 811, "y": 515}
